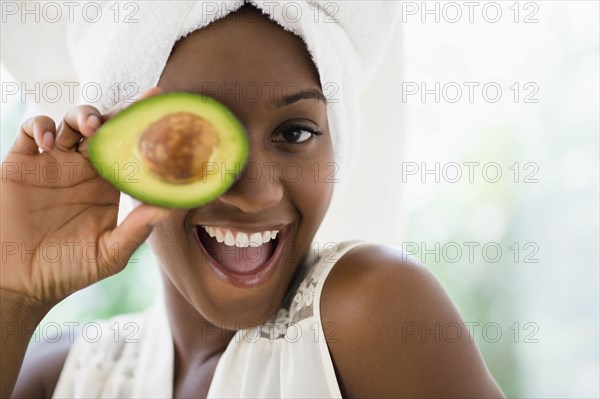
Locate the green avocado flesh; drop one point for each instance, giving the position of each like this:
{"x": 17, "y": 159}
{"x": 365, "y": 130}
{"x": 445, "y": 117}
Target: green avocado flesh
{"x": 115, "y": 151}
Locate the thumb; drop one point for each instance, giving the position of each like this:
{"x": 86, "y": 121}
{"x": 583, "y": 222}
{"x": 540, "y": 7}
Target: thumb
{"x": 126, "y": 238}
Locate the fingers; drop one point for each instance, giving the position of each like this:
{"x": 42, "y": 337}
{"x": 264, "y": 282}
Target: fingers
{"x": 37, "y": 132}
{"x": 119, "y": 107}
{"x": 83, "y": 145}
{"x": 79, "y": 122}
{"x": 130, "y": 234}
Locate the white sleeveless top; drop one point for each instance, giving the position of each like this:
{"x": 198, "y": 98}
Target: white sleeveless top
{"x": 132, "y": 355}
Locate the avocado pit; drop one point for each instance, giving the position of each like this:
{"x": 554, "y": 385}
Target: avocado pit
{"x": 178, "y": 147}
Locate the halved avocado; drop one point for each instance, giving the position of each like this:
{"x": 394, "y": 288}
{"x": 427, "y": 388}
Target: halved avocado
{"x": 178, "y": 150}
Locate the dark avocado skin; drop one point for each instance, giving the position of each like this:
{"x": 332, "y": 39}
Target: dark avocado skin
{"x": 106, "y": 149}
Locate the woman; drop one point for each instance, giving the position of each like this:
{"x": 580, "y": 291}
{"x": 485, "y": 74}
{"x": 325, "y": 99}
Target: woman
{"x": 374, "y": 311}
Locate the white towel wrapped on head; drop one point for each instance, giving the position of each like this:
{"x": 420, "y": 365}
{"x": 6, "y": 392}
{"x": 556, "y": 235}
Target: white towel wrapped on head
{"x": 345, "y": 39}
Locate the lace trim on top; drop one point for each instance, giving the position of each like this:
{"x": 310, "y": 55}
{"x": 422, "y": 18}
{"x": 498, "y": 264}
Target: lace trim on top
{"x": 302, "y": 304}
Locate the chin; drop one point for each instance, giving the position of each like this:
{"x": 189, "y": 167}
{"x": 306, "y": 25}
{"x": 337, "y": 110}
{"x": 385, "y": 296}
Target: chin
{"x": 233, "y": 295}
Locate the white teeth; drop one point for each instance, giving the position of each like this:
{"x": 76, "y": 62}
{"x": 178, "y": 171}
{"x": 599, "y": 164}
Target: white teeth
{"x": 210, "y": 230}
{"x": 242, "y": 240}
{"x": 266, "y": 236}
{"x": 239, "y": 239}
{"x": 229, "y": 240}
{"x": 255, "y": 240}
{"x": 219, "y": 235}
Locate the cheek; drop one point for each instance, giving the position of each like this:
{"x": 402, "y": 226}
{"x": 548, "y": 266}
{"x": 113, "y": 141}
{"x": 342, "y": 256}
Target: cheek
{"x": 168, "y": 242}
{"x": 314, "y": 190}
{"x": 311, "y": 184}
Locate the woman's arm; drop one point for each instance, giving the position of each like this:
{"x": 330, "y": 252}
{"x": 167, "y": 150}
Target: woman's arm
{"x": 397, "y": 333}
{"x": 18, "y": 320}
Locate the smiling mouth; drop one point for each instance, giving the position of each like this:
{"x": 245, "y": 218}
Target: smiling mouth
{"x": 242, "y": 258}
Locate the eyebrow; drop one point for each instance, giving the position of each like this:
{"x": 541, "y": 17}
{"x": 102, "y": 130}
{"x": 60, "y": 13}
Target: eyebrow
{"x": 308, "y": 94}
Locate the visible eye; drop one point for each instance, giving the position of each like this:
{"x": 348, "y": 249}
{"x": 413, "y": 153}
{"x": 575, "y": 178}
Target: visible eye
{"x": 297, "y": 133}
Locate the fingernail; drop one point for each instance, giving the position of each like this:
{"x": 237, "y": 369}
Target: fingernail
{"x": 47, "y": 140}
{"x": 93, "y": 121}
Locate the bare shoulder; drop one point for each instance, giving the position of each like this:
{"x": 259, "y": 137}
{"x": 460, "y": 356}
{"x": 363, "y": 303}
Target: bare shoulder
{"x": 397, "y": 333}
{"x": 42, "y": 366}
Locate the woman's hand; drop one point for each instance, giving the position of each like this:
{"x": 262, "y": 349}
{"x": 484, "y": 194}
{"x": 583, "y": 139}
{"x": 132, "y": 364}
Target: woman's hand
{"x": 59, "y": 228}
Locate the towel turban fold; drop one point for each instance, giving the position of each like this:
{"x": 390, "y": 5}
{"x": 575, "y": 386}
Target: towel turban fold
{"x": 346, "y": 41}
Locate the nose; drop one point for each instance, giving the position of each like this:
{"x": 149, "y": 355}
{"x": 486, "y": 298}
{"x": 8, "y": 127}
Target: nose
{"x": 258, "y": 188}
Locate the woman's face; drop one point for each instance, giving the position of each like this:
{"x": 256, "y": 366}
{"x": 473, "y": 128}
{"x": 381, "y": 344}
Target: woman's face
{"x": 257, "y": 70}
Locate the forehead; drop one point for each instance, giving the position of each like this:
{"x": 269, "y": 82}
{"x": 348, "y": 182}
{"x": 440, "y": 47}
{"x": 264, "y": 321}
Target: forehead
{"x": 244, "y": 50}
